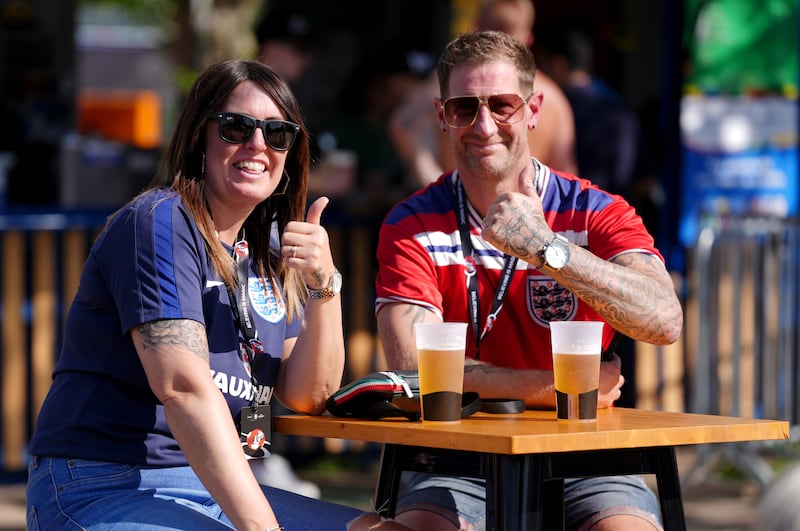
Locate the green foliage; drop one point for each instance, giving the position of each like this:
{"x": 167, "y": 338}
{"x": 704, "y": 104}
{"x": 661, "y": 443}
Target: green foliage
{"x": 156, "y": 12}
{"x": 184, "y": 77}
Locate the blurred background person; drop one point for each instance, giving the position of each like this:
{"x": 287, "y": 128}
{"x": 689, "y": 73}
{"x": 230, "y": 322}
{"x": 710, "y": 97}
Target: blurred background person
{"x": 778, "y": 509}
{"x": 367, "y": 101}
{"x": 610, "y": 146}
{"x": 284, "y": 43}
{"x": 287, "y": 41}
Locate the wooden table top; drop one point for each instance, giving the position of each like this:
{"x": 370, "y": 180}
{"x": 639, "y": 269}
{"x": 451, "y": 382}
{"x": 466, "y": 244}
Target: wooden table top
{"x": 540, "y": 431}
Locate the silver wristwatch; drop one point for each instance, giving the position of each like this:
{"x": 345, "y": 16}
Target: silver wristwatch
{"x": 555, "y": 254}
{"x": 334, "y": 287}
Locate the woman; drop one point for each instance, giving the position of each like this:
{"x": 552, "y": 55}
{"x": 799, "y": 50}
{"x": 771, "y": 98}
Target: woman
{"x": 212, "y": 270}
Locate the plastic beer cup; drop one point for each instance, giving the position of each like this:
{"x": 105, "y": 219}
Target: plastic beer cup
{"x": 440, "y": 358}
{"x": 576, "y": 367}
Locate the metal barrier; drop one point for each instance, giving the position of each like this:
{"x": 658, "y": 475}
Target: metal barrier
{"x": 745, "y": 279}
{"x": 744, "y": 346}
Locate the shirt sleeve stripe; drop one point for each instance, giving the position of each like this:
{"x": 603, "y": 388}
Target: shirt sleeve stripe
{"x": 165, "y": 264}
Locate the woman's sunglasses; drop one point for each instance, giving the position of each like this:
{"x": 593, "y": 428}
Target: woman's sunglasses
{"x": 236, "y": 128}
{"x": 462, "y": 111}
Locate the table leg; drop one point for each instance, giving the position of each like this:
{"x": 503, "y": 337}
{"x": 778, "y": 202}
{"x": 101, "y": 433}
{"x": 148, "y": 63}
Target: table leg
{"x": 388, "y": 481}
{"x": 397, "y": 458}
{"x": 669, "y": 487}
{"x": 514, "y": 498}
{"x": 659, "y": 461}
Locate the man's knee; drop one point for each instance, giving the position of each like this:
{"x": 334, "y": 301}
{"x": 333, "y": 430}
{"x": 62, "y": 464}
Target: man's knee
{"x": 412, "y": 520}
{"x": 433, "y": 520}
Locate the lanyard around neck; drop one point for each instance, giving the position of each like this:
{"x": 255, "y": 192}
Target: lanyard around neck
{"x": 471, "y": 272}
{"x": 242, "y": 314}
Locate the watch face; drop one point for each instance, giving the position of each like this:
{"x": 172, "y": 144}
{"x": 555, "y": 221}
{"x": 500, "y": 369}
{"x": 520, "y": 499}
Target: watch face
{"x": 556, "y": 255}
{"x": 336, "y": 284}
{"x": 334, "y": 288}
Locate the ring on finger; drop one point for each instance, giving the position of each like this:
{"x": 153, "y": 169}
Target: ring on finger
{"x": 294, "y": 251}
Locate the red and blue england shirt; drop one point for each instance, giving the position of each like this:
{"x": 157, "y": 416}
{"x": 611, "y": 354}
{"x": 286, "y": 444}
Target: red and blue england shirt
{"x": 421, "y": 262}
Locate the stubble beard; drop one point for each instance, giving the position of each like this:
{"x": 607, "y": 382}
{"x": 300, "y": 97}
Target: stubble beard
{"x": 494, "y": 168}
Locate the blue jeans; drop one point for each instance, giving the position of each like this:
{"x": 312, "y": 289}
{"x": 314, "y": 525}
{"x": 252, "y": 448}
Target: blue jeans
{"x": 83, "y": 494}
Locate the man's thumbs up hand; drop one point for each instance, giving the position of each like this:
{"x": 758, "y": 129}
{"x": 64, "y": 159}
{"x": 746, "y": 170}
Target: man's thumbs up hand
{"x": 515, "y": 221}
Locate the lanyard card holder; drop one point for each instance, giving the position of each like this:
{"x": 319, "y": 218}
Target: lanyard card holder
{"x": 255, "y": 430}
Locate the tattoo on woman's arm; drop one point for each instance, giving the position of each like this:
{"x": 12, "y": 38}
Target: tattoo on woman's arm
{"x": 183, "y": 333}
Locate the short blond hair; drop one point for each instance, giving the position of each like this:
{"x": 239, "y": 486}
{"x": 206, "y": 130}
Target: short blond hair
{"x": 482, "y": 47}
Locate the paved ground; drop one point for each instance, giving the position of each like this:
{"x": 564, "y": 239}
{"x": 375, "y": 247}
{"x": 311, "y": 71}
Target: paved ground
{"x": 710, "y": 504}
{"x": 12, "y": 507}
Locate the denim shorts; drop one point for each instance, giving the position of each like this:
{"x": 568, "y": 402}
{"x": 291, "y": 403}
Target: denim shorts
{"x": 83, "y": 494}
{"x": 586, "y": 500}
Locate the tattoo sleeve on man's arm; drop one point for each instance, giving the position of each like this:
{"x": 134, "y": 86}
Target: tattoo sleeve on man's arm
{"x": 520, "y": 240}
{"x": 637, "y": 299}
{"x": 182, "y": 333}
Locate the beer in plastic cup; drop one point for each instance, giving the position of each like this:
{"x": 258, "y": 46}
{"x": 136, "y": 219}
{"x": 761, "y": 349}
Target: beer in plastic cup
{"x": 440, "y": 358}
{"x": 576, "y": 367}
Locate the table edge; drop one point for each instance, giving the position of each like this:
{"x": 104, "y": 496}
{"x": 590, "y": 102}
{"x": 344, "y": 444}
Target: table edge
{"x": 720, "y": 429}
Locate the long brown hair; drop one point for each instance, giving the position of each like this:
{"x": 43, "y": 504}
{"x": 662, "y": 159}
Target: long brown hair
{"x": 183, "y": 164}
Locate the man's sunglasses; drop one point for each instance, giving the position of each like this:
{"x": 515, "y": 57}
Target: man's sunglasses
{"x": 462, "y": 111}
{"x": 238, "y": 128}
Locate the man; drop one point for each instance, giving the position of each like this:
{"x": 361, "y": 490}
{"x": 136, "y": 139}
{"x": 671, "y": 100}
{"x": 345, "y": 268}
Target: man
{"x": 427, "y": 154}
{"x": 565, "y": 250}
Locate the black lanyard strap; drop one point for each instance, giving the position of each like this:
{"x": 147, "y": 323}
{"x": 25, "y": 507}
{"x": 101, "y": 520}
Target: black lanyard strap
{"x": 471, "y": 273}
{"x": 240, "y": 303}
{"x": 242, "y": 314}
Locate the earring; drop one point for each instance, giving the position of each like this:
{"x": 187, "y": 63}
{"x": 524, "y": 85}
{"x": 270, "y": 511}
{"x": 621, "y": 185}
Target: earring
{"x": 202, "y": 163}
{"x": 285, "y": 186}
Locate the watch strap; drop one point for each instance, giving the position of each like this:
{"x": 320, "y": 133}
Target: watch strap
{"x": 330, "y": 290}
{"x": 321, "y": 293}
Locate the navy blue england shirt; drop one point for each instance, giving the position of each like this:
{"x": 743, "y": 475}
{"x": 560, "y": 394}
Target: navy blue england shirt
{"x": 149, "y": 264}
